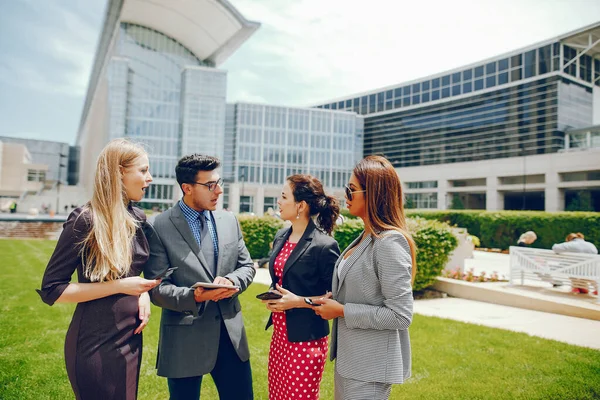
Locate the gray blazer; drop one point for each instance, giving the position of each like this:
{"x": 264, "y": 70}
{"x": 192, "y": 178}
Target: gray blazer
{"x": 371, "y": 342}
{"x": 189, "y": 331}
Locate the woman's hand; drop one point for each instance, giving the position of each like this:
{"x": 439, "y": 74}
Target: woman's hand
{"x": 136, "y": 285}
{"x": 144, "y": 311}
{"x": 328, "y": 308}
{"x": 288, "y": 301}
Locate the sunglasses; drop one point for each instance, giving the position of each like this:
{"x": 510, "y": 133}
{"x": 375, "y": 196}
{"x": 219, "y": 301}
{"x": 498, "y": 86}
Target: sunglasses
{"x": 350, "y": 191}
{"x": 210, "y": 185}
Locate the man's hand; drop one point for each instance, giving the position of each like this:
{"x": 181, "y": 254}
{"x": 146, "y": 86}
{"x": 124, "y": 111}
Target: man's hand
{"x": 202, "y": 294}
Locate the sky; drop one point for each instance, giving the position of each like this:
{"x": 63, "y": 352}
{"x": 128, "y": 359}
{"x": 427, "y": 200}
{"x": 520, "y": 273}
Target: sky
{"x": 305, "y": 52}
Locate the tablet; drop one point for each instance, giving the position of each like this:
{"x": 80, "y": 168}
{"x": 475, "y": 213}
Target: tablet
{"x": 207, "y": 285}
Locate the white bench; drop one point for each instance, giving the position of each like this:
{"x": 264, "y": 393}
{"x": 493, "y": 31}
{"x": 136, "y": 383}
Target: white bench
{"x": 574, "y": 269}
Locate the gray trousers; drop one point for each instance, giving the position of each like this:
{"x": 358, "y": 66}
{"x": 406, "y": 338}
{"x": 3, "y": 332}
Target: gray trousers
{"x": 351, "y": 389}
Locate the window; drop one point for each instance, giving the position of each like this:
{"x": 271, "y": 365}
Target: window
{"x": 246, "y": 204}
{"x": 270, "y": 202}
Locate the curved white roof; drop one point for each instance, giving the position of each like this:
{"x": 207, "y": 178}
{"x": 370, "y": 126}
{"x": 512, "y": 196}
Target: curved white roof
{"x": 211, "y": 29}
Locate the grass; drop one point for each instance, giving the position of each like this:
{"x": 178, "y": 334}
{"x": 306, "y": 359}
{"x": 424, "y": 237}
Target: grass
{"x": 451, "y": 360}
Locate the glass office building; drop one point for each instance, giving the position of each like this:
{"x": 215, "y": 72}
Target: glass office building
{"x": 269, "y": 143}
{"x": 155, "y": 81}
{"x": 517, "y": 105}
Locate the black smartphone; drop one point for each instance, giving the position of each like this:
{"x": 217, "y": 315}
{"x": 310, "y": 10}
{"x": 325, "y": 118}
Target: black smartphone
{"x": 310, "y": 302}
{"x": 166, "y": 273}
{"x": 269, "y": 296}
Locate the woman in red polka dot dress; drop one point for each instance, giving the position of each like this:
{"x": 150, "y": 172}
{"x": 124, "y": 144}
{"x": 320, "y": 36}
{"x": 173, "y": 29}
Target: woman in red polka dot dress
{"x": 301, "y": 267}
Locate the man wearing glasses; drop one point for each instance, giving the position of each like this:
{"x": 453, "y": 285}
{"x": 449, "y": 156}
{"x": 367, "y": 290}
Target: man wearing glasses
{"x": 201, "y": 329}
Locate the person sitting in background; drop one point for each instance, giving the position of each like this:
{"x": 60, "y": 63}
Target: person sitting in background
{"x": 527, "y": 239}
{"x": 575, "y": 243}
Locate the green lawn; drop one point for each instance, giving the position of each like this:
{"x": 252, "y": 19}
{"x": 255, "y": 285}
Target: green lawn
{"x": 451, "y": 360}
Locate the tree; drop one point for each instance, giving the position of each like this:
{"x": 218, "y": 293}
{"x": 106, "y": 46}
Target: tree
{"x": 582, "y": 201}
{"x": 457, "y": 203}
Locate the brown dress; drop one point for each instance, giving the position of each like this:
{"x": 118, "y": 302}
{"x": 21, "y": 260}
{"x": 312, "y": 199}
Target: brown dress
{"x": 102, "y": 354}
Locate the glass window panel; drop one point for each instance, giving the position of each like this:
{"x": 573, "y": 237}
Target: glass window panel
{"x": 446, "y": 80}
{"x": 456, "y": 77}
{"x": 349, "y": 103}
{"x": 435, "y": 83}
{"x": 515, "y": 75}
{"x": 490, "y": 81}
{"x": 425, "y": 97}
{"x": 467, "y": 87}
{"x": 416, "y": 87}
{"x": 490, "y": 68}
{"x": 416, "y": 99}
{"x": 406, "y": 101}
{"x": 467, "y": 74}
{"x": 445, "y": 92}
{"x": 530, "y": 63}
{"x": 406, "y": 90}
{"x": 478, "y": 72}
{"x": 503, "y": 64}
{"x": 398, "y": 92}
{"x": 478, "y": 84}
{"x": 389, "y": 94}
{"x": 435, "y": 95}
{"x": 380, "y": 98}
{"x": 455, "y": 90}
{"x": 502, "y": 78}
{"x": 516, "y": 61}
{"x": 425, "y": 85}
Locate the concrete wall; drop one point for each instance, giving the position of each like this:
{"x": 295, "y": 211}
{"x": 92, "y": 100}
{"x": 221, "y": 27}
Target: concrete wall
{"x": 548, "y": 165}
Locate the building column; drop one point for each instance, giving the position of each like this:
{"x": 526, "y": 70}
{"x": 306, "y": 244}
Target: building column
{"x": 259, "y": 201}
{"x": 553, "y": 197}
{"x": 234, "y": 198}
{"x": 442, "y": 194}
{"x": 494, "y": 200}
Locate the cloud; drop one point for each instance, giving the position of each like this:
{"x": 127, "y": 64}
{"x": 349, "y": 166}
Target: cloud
{"x": 62, "y": 39}
{"x": 319, "y": 50}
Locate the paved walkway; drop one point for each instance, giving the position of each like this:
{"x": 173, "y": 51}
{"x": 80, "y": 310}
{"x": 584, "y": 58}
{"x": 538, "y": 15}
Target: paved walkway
{"x": 576, "y": 331}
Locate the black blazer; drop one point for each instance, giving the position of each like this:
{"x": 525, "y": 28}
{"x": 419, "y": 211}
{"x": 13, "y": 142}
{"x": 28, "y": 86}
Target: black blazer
{"x": 307, "y": 272}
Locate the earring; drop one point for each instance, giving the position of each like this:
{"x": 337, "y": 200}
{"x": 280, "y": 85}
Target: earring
{"x": 298, "y": 215}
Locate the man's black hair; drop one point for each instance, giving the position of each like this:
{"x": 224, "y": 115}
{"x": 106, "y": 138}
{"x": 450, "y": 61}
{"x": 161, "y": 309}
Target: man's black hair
{"x": 188, "y": 167}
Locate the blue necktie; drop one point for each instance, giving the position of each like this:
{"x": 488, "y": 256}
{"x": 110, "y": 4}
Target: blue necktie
{"x": 213, "y": 235}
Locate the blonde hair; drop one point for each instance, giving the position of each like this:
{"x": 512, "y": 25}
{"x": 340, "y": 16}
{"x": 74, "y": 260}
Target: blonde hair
{"x": 384, "y": 200}
{"x": 108, "y": 248}
{"x": 529, "y": 235}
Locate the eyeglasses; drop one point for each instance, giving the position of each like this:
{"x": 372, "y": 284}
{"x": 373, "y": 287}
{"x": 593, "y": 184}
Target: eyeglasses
{"x": 350, "y": 191}
{"x": 210, "y": 185}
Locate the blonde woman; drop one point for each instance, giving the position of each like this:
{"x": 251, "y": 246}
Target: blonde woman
{"x": 372, "y": 300}
{"x": 103, "y": 241}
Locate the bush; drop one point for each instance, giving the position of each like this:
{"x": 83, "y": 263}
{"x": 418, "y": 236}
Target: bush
{"x": 501, "y": 229}
{"x": 258, "y": 233}
{"x": 434, "y": 241}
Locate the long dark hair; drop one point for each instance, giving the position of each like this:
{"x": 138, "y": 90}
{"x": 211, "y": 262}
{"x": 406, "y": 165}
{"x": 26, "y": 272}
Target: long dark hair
{"x": 384, "y": 199}
{"x": 309, "y": 189}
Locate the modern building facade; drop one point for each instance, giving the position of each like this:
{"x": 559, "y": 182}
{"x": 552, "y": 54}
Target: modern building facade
{"x": 55, "y": 155}
{"x": 494, "y": 134}
{"x": 155, "y": 81}
{"x": 268, "y": 143}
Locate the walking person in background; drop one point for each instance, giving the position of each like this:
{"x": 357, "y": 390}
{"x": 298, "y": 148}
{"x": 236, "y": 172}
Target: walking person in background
{"x": 301, "y": 266}
{"x": 104, "y": 242}
{"x": 372, "y": 302}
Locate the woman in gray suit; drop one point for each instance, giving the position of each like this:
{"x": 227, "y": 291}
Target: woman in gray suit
{"x": 372, "y": 288}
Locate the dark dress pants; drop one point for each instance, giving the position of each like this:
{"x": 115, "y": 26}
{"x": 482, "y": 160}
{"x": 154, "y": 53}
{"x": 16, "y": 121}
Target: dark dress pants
{"x": 232, "y": 377}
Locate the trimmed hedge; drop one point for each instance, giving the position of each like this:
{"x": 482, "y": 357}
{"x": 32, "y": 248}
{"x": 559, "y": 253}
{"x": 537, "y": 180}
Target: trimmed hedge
{"x": 259, "y": 233}
{"x": 501, "y": 229}
{"x": 434, "y": 241}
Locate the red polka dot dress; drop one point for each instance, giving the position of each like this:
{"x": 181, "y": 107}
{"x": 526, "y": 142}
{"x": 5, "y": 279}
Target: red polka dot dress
{"x": 295, "y": 368}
